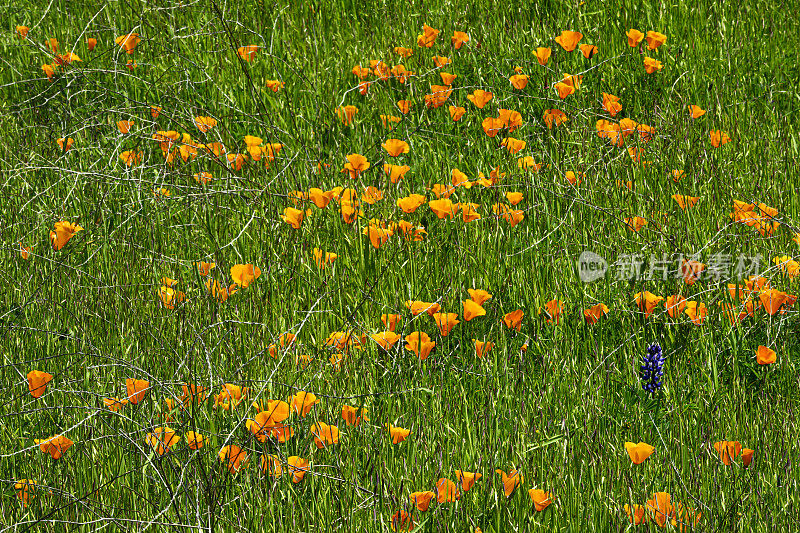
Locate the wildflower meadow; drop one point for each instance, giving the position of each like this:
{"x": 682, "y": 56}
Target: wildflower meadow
{"x": 383, "y": 266}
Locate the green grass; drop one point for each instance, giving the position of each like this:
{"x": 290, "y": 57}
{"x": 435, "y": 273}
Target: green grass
{"x": 560, "y": 412}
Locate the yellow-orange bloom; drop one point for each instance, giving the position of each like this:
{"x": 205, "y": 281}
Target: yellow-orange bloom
{"x": 62, "y": 233}
{"x": 569, "y": 39}
{"x": 128, "y": 42}
{"x": 639, "y": 452}
{"x": 37, "y": 382}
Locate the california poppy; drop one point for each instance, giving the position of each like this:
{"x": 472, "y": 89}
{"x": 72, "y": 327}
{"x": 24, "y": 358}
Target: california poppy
{"x": 564, "y": 89}
{"x": 480, "y": 98}
{"x": 492, "y": 126}
{"x": 747, "y": 456}
{"x": 114, "y": 404}
{"x": 417, "y": 306}
{"x": 352, "y": 416}
{"x": 49, "y": 71}
{"x": 419, "y": 343}
{"x": 652, "y": 65}
{"x": 482, "y": 348}
{"x": 248, "y": 52}
{"x": 519, "y": 81}
{"x": 685, "y": 202}
{"x": 554, "y": 117}
{"x": 675, "y": 305}
{"x": 445, "y": 322}
{"x": 635, "y": 514}
{"x": 422, "y": 500}
{"x": 472, "y": 310}
{"x": 660, "y": 508}
{"x": 137, "y": 389}
{"x": 513, "y": 145}
{"x": 569, "y": 39}
{"x": 588, "y": 50}
{"x": 510, "y": 480}
{"x": 124, "y": 126}
{"x": 594, "y": 313}
{"x": 128, "y": 42}
{"x": 230, "y": 396}
{"x": 773, "y": 300}
{"x": 302, "y": 402}
{"x": 459, "y": 39}
{"x": 634, "y": 37}
{"x": 696, "y": 111}
{"x": 131, "y": 158}
{"x": 655, "y": 39}
{"x": 611, "y": 104}
{"x": 467, "y": 479}
{"x": 323, "y": 259}
{"x": 37, "y": 382}
{"x": 635, "y": 223}
{"x": 22, "y": 32}
{"x": 647, "y": 302}
{"x": 26, "y": 488}
{"x": 428, "y": 36}
{"x": 403, "y": 52}
{"x": 324, "y": 435}
{"x": 446, "y": 491}
{"x": 396, "y": 147}
{"x": 639, "y": 452}
{"x": 402, "y": 521}
{"x": 765, "y": 356}
{"x": 297, "y": 467}
{"x": 513, "y": 320}
{"x": 443, "y": 208}
{"x": 356, "y": 164}
{"x": 398, "y": 434}
{"x": 728, "y": 450}
{"x": 233, "y": 457}
{"x": 511, "y": 119}
{"x": 244, "y": 275}
{"x": 540, "y": 498}
{"x": 718, "y": 138}
{"x": 54, "y": 446}
{"x": 162, "y": 439}
{"x": 543, "y": 55}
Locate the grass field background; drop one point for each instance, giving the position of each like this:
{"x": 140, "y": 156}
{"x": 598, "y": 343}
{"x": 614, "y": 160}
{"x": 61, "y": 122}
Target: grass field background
{"x": 555, "y": 400}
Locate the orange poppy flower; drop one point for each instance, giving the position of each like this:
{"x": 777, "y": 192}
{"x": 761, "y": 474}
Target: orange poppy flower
{"x": 655, "y": 39}
{"x": 356, "y": 164}
{"x": 675, "y": 305}
{"x": 248, "y": 52}
{"x": 204, "y": 124}
{"x": 765, "y": 356}
{"x": 233, "y": 457}
{"x": 244, "y": 275}
{"x": 540, "y": 498}
{"x": 554, "y": 117}
{"x": 131, "y": 158}
{"x": 574, "y": 179}
{"x": 685, "y": 202}
{"x": 511, "y": 481}
{"x": 513, "y": 320}
{"x": 446, "y": 491}
{"x": 352, "y": 417}
{"x": 647, "y": 302}
{"x": 728, "y": 450}
{"x": 403, "y": 52}
{"x": 480, "y": 98}
{"x": 230, "y": 397}
{"x": 446, "y": 322}
{"x": 54, "y": 446}
{"x": 114, "y": 404}
{"x": 634, "y": 37}
{"x": 652, "y": 65}
{"x": 276, "y": 85}
{"x": 564, "y": 89}
{"x": 63, "y": 232}
{"x": 128, "y": 42}
{"x": 747, "y": 456}
{"x": 611, "y": 104}
{"x": 467, "y": 479}
{"x": 553, "y": 310}
{"x": 26, "y": 488}
{"x": 324, "y": 435}
{"x": 137, "y": 389}
{"x": 131, "y": 64}
{"x": 346, "y": 114}
{"x": 492, "y": 126}
{"x": 67, "y": 59}
{"x": 420, "y": 344}
{"x": 589, "y": 50}
{"x": 417, "y": 306}
{"x": 635, "y": 223}
{"x": 162, "y": 439}
{"x": 22, "y": 32}
{"x": 773, "y": 300}
{"x": 443, "y": 208}
{"x": 639, "y": 452}
{"x": 718, "y": 138}
{"x": 428, "y": 36}
{"x": 519, "y": 81}
{"x": 479, "y": 296}
{"x": 297, "y": 467}
{"x": 360, "y": 72}
{"x": 402, "y": 521}
{"x": 91, "y": 43}
{"x": 635, "y": 514}
{"x": 472, "y": 310}
{"x": 456, "y": 112}
{"x": 390, "y": 321}
{"x": 37, "y": 382}
{"x": 543, "y": 55}
{"x": 593, "y": 314}
{"x": 396, "y": 147}
{"x": 422, "y": 500}
{"x": 459, "y": 39}
{"x": 569, "y": 39}
{"x": 661, "y": 508}
{"x": 513, "y": 145}
{"x": 302, "y": 402}
{"x": 398, "y": 434}
{"x": 696, "y": 111}
{"x": 482, "y": 348}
